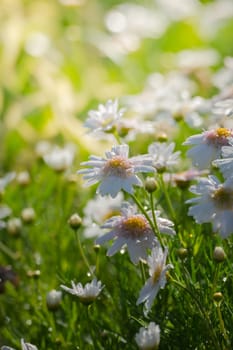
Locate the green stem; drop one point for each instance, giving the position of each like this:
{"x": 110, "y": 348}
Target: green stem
{"x": 202, "y": 311}
{"x": 221, "y": 324}
{"x": 80, "y": 247}
{"x": 142, "y": 271}
{"x": 167, "y": 197}
{"x": 8, "y": 251}
{"x": 216, "y": 272}
{"x": 155, "y": 220}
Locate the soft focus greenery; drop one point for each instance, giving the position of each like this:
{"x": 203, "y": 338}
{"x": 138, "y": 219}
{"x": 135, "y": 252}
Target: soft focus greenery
{"x": 58, "y": 61}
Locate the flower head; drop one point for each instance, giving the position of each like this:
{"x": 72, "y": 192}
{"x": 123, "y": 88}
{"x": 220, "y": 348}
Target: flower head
{"x": 131, "y": 229}
{"x": 157, "y": 280}
{"x": 207, "y": 146}
{"x": 223, "y": 108}
{"x": 24, "y": 346}
{"x": 60, "y": 159}
{"x": 116, "y": 172}
{"x": 105, "y": 118}
{"x": 148, "y": 338}
{"x": 226, "y": 163}
{"x": 162, "y": 155}
{"x": 214, "y": 204}
{"x": 86, "y": 294}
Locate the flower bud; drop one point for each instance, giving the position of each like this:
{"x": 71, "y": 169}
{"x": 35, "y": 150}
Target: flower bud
{"x": 151, "y": 184}
{"x": 23, "y": 178}
{"x": 162, "y": 137}
{"x": 53, "y": 299}
{"x": 33, "y": 273}
{"x": 218, "y": 297}
{"x": 182, "y": 253}
{"x": 75, "y": 221}
{"x": 219, "y": 254}
{"x": 14, "y": 226}
{"x": 28, "y": 215}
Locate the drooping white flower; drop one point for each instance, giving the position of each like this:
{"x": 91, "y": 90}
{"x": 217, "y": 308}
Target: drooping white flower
{"x": 59, "y": 158}
{"x": 207, "y": 146}
{"x": 97, "y": 211}
{"x": 105, "y": 118}
{"x": 157, "y": 280}
{"x": 214, "y": 204}
{"x": 131, "y": 229}
{"x": 163, "y": 155}
{"x": 148, "y": 338}
{"x": 116, "y": 172}
{"x": 86, "y": 294}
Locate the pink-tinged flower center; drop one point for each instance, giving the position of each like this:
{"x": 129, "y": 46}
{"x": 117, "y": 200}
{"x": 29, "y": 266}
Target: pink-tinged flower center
{"x": 218, "y": 137}
{"x": 117, "y": 166}
{"x": 223, "y": 198}
{"x": 157, "y": 273}
{"x": 135, "y": 226}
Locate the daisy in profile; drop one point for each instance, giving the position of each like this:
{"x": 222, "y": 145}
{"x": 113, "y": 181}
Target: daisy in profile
{"x": 105, "y": 118}
{"x": 207, "y": 146}
{"x": 24, "y": 346}
{"x": 116, "y": 172}
{"x": 157, "y": 271}
{"x": 86, "y": 294}
{"x": 148, "y": 337}
{"x": 163, "y": 155}
{"x": 214, "y": 204}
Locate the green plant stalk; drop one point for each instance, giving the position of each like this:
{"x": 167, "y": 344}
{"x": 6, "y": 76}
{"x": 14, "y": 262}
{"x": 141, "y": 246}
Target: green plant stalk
{"x": 155, "y": 220}
{"x": 203, "y": 312}
{"x": 221, "y": 323}
{"x": 142, "y": 271}
{"x": 80, "y": 247}
{"x": 167, "y": 197}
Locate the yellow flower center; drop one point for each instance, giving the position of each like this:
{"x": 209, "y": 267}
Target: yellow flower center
{"x": 157, "y": 273}
{"x": 135, "y": 226}
{"x": 117, "y": 166}
{"x": 223, "y": 132}
{"x": 223, "y": 198}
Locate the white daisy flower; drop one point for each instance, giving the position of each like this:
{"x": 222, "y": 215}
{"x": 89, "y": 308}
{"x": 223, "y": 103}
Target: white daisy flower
{"x": 162, "y": 155}
{"x": 59, "y": 158}
{"x": 148, "y": 337}
{"x": 97, "y": 211}
{"x": 24, "y": 346}
{"x": 226, "y": 163}
{"x": 129, "y": 229}
{"x": 86, "y": 294}
{"x": 157, "y": 280}
{"x": 207, "y": 146}
{"x": 116, "y": 172}
{"x": 214, "y": 204}
{"x": 105, "y": 118}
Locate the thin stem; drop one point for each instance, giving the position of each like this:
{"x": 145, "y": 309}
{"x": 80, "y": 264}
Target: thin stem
{"x": 80, "y": 247}
{"x": 8, "y": 251}
{"x": 155, "y": 220}
{"x": 142, "y": 271}
{"x": 201, "y": 309}
{"x": 221, "y": 323}
{"x": 167, "y": 197}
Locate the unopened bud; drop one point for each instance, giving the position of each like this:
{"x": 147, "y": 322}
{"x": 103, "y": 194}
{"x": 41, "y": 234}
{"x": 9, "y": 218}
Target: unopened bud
{"x": 28, "y": 215}
{"x": 182, "y": 253}
{"x": 14, "y": 226}
{"x": 23, "y": 178}
{"x": 151, "y": 184}
{"x": 219, "y": 254}
{"x": 217, "y": 297}
{"x": 33, "y": 274}
{"x": 162, "y": 137}
{"x": 75, "y": 221}
{"x": 53, "y": 299}
{"x": 96, "y": 248}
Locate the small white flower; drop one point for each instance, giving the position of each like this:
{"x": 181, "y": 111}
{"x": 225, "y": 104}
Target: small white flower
{"x": 148, "y": 338}
{"x": 27, "y": 346}
{"x": 53, "y": 299}
{"x": 162, "y": 155}
{"x": 226, "y": 163}
{"x": 97, "y": 211}
{"x": 214, "y": 204}
{"x": 129, "y": 229}
{"x": 105, "y": 118}
{"x": 59, "y": 158}
{"x": 86, "y": 294}
{"x": 157, "y": 280}
{"x": 207, "y": 146}
{"x": 116, "y": 172}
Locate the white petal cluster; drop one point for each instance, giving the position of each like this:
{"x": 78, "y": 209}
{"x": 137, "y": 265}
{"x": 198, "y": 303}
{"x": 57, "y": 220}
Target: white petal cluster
{"x": 148, "y": 338}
